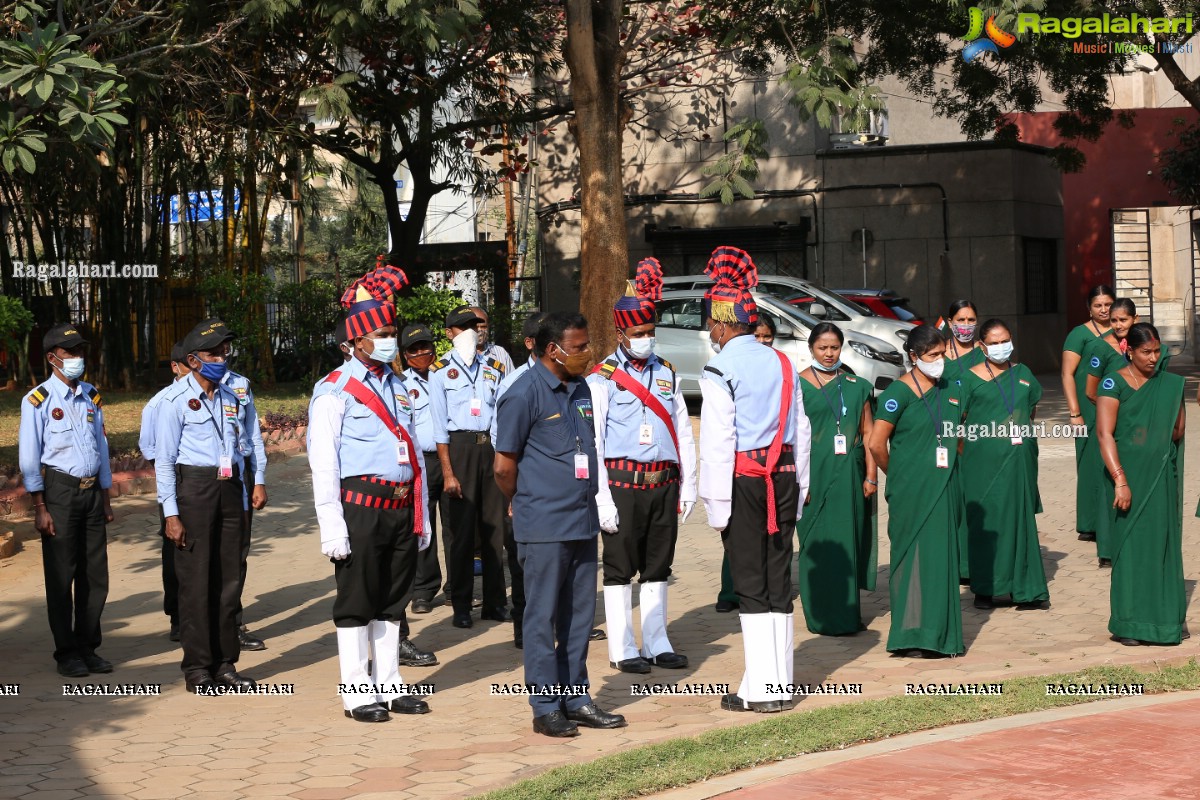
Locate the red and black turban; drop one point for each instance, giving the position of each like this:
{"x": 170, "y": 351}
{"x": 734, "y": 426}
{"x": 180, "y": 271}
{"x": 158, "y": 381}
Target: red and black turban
{"x": 368, "y": 301}
{"x": 733, "y": 274}
{"x": 636, "y": 307}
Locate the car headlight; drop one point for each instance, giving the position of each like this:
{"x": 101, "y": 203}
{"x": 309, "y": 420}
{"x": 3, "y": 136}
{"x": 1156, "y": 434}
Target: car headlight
{"x": 866, "y": 351}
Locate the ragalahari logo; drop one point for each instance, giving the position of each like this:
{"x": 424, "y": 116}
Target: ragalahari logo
{"x": 977, "y": 27}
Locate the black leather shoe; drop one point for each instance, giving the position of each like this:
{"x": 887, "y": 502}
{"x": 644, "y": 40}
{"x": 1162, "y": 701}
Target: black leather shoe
{"x": 249, "y": 641}
{"x": 1125, "y": 640}
{"x": 96, "y": 664}
{"x": 410, "y": 656}
{"x": 669, "y": 661}
{"x": 636, "y": 665}
{"x": 1106, "y": 562}
{"x": 497, "y": 614}
{"x": 462, "y": 620}
{"x": 235, "y": 681}
{"x": 597, "y": 635}
{"x": 72, "y": 668}
{"x": 409, "y": 704}
{"x": 174, "y": 634}
{"x": 555, "y": 724}
{"x": 422, "y": 606}
{"x": 202, "y": 685}
{"x": 1033, "y": 605}
{"x": 1089, "y": 536}
{"x": 983, "y": 601}
{"x": 592, "y": 716}
{"x": 519, "y": 639}
{"x": 725, "y": 606}
{"x": 372, "y": 712}
{"x": 731, "y": 702}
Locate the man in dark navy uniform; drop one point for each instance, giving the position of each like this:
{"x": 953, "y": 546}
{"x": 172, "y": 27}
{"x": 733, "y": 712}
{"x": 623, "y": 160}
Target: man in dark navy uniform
{"x": 546, "y": 466}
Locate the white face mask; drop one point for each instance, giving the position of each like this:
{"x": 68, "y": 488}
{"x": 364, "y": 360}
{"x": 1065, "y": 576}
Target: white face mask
{"x": 640, "y": 348}
{"x": 72, "y": 368}
{"x": 385, "y": 350}
{"x": 932, "y": 369}
{"x": 999, "y": 353}
{"x": 833, "y": 368}
{"x": 716, "y": 346}
{"x": 465, "y": 344}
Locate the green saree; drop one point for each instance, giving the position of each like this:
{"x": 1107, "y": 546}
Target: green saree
{"x": 1089, "y": 471}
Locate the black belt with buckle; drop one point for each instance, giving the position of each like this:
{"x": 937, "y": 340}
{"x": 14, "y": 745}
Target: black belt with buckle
{"x": 644, "y": 477}
{"x": 58, "y": 476}
{"x": 193, "y": 471}
{"x": 475, "y": 437}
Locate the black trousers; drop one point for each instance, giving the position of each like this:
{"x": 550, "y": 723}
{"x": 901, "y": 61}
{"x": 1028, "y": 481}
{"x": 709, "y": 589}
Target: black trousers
{"x": 170, "y": 582}
{"x": 516, "y": 572}
{"x": 647, "y": 529}
{"x": 429, "y": 572}
{"x": 75, "y": 564}
{"x": 247, "y": 517}
{"x": 481, "y": 508}
{"x": 209, "y": 569}
{"x": 761, "y": 563}
{"x": 375, "y": 581}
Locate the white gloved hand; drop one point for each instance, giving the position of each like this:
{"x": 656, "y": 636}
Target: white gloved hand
{"x": 688, "y": 506}
{"x": 423, "y": 541}
{"x": 608, "y": 518}
{"x": 337, "y": 549}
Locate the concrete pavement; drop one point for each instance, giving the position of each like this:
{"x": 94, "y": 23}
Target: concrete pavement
{"x": 300, "y": 746}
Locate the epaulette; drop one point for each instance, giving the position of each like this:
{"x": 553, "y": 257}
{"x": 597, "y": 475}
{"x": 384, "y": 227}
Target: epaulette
{"x": 39, "y": 395}
{"x": 94, "y": 394}
{"x": 496, "y": 364}
{"x": 666, "y": 363}
{"x": 608, "y": 368}
{"x": 439, "y": 364}
{"x": 714, "y": 371}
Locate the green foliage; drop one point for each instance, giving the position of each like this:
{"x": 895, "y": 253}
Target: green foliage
{"x": 1179, "y": 166}
{"x": 16, "y": 321}
{"x": 304, "y": 347}
{"x": 429, "y": 306}
{"x": 733, "y": 172}
{"x": 825, "y": 83}
{"x": 50, "y": 89}
{"x": 241, "y": 302}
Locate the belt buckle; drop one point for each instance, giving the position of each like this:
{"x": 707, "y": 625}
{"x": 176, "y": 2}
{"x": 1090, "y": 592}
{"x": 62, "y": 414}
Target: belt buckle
{"x": 87, "y": 483}
{"x": 482, "y": 438}
{"x": 400, "y": 492}
{"x": 656, "y": 477}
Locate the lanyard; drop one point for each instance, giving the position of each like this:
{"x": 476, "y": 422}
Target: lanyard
{"x": 937, "y": 400}
{"x": 837, "y": 418}
{"x": 217, "y": 426}
{"x": 394, "y": 408}
{"x": 1012, "y": 382}
{"x": 467, "y": 371}
{"x": 648, "y": 370}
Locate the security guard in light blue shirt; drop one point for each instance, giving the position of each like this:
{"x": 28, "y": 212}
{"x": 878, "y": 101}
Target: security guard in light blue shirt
{"x": 462, "y": 390}
{"x": 254, "y": 494}
{"x": 200, "y": 467}
{"x": 62, "y": 433}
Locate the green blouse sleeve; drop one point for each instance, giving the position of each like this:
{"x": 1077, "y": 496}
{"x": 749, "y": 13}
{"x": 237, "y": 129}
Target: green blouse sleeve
{"x": 1077, "y": 339}
{"x": 1113, "y": 385}
{"x": 892, "y": 402}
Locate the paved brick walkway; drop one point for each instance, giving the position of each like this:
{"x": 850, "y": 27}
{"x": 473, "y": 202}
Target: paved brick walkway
{"x": 1138, "y": 753}
{"x": 177, "y": 745}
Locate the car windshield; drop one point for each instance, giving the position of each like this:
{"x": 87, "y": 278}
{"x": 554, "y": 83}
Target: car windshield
{"x": 902, "y": 311}
{"x": 791, "y": 314}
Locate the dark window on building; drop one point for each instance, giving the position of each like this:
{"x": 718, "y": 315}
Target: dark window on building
{"x": 1041, "y": 276}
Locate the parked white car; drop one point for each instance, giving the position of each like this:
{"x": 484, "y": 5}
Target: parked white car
{"x": 682, "y": 339}
{"x": 818, "y": 302}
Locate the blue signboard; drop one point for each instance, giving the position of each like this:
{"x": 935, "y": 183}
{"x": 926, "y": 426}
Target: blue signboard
{"x": 200, "y": 209}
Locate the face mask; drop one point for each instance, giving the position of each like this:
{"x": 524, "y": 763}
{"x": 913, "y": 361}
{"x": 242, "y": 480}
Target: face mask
{"x": 577, "y": 364}
{"x": 716, "y": 346}
{"x": 420, "y": 363}
{"x": 819, "y": 366}
{"x": 213, "y": 370}
{"x": 999, "y": 353}
{"x": 964, "y": 333}
{"x": 640, "y": 348}
{"x": 385, "y": 350}
{"x": 465, "y": 344}
{"x": 932, "y": 369}
{"x": 72, "y": 368}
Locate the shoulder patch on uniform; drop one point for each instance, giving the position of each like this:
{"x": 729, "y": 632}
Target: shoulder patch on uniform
{"x": 1108, "y": 383}
{"x": 496, "y": 364}
{"x": 666, "y": 363}
{"x": 607, "y": 369}
{"x": 1095, "y": 362}
{"x": 439, "y": 364}
{"x": 891, "y": 404}
{"x": 94, "y": 394}
{"x": 714, "y": 371}
{"x": 38, "y": 395}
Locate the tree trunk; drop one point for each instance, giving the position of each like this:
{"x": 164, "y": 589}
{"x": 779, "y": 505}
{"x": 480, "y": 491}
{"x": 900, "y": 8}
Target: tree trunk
{"x": 594, "y": 58}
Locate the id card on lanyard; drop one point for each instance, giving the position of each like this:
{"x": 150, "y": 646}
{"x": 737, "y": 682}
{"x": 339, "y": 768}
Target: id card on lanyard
{"x": 839, "y": 439}
{"x": 941, "y": 458}
{"x": 1014, "y": 432}
{"x": 225, "y": 460}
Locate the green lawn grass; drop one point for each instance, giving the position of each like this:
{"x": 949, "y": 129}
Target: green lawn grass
{"x": 123, "y": 416}
{"x": 679, "y": 762}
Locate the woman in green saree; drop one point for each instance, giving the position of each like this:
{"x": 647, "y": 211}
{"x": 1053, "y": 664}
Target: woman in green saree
{"x": 832, "y": 532}
{"x": 1074, "y": 382}
{"x": 999, "y": 477}
{"x": 1140, "y": 423}
{"x": 1101, "y": 356}
{"x": 918, "y": 415}
{"x": 963, "y": 352}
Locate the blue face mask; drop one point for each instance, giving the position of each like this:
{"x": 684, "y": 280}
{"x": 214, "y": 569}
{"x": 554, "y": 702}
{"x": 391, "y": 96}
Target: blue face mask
{"x": 72, "y": 368}
{"x": 818, "y": 365}
{"x": 213, "y": 370}
{"x": 385, "y": 350}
